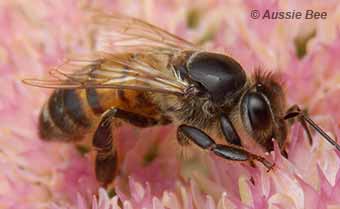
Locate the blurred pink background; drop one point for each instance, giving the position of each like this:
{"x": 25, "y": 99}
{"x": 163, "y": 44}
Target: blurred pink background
{"x": 37, "y": 35}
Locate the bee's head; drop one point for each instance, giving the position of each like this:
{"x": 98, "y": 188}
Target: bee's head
{"x": 262, "y": 110}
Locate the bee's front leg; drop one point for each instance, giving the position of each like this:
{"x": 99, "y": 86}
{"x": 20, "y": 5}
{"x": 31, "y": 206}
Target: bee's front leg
{"x": 230, "y": 152}
{"x": 229, "y": 131}
{"x": 304, "y": 119}
{"x": 290, "y": 115}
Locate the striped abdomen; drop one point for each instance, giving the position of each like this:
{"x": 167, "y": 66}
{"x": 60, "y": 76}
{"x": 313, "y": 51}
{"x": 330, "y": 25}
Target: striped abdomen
{"x": 70, "y": 113}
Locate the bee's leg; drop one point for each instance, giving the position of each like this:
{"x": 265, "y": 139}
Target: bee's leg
{"x": 229, "y": 131}
{"x": 227, "y": 128}
{"x": 306, "y": 128}
{"x": 295, "y": 108}
{"x": 295, "y": 111}
{"x": 134, "y": 119}
{"x": 182, "y": 139}
{"x": 106, "y": 158}
{"x": 230, "y": 134}
{"x": 230, "y": 152}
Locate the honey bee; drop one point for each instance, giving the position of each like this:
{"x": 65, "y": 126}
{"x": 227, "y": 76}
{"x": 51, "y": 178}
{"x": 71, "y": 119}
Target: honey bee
{"x": 146, "y": 76}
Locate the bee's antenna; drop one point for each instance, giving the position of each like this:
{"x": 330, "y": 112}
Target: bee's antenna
{"x": 318, "y": 129}
{"x": 295, "y": 111}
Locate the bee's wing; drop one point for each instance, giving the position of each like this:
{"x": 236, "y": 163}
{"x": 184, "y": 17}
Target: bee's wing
{"x": 107, "y": 68}
{"x": 112, "y": 71}
{"x": 119, "y": 33}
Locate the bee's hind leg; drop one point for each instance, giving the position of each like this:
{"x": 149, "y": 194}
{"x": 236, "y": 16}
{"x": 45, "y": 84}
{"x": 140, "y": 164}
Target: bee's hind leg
{"x": 106, "y": 158}
{"x": 230, "y": 152}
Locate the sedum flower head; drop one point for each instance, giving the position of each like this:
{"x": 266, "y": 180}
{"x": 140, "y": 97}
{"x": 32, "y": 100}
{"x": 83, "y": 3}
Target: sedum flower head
{"x": 35, "y": 174}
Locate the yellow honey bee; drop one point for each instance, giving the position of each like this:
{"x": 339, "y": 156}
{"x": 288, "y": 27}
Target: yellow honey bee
{"x": 146, "y": 76}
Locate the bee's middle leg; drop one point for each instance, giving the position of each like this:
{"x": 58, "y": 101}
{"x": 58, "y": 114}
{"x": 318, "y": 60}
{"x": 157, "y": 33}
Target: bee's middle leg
{"x": 106, "y": 162}
{"x": 230, "y": 152}
{"x": 227, "y": 128}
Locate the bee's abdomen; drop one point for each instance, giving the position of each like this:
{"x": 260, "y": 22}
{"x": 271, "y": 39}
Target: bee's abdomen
{"x": 71, "y": 113}
{"x": 65, "y": 115}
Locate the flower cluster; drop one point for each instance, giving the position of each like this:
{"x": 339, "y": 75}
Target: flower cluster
{"x": 36, "y": 36}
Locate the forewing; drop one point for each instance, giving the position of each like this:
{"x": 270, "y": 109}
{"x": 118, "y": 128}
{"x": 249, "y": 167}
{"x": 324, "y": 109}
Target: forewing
{"x": 119, "y": 71}
{"x": 121, "y": 59}
{"x": 119, "y": 33}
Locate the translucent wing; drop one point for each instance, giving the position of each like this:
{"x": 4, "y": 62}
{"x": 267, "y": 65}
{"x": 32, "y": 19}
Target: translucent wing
{"x": 120, "y": 71}
{"x": 129, "y": 54}
{"x": 119, "y": 33}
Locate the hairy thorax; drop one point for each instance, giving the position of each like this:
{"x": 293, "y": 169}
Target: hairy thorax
{"x": 198, "y": 112}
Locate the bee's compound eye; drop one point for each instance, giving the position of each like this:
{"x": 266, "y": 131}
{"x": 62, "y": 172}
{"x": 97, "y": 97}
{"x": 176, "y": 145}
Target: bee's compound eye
{"x": 258, "y": 111}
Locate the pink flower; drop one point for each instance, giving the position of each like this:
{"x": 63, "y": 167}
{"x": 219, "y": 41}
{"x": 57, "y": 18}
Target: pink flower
{"x": 35, "y": 174}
